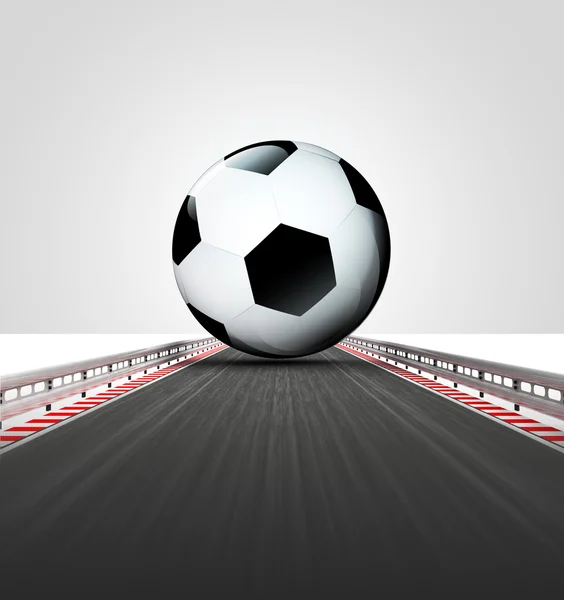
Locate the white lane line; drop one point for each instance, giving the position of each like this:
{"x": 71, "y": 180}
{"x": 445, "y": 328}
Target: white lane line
{"x": 69, "y": 416}
{"x": 557, "y": 445}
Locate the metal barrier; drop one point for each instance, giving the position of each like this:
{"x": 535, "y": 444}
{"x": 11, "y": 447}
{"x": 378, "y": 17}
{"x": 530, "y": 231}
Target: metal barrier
{"x": 519, "y": 384}
{"x": 40, "y": 387}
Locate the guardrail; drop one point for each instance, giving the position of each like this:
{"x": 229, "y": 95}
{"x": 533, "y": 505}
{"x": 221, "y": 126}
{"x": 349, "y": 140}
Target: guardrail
{"x": 40, "y": 387}
{"x": 519, "y": 384}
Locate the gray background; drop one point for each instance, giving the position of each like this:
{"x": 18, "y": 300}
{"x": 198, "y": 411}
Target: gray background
{"x": 453, "y": 112}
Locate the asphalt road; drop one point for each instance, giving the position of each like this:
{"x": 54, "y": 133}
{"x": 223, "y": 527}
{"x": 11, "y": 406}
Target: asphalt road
{"x": 300, "y": 478}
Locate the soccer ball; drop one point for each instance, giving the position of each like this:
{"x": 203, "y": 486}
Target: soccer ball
{"x": 281, "y": 249}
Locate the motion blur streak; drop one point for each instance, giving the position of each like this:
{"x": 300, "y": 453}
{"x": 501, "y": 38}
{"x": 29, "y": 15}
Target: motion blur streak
{"x": 313, "y": 475}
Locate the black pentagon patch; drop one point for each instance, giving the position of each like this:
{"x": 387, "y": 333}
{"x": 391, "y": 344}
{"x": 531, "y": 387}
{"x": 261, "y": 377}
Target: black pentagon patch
{"x": 291, "y": 270}
{"x": 363, "y": 193}
{"x": 261, "y": 158}
{"x": 212, "y": 326}
{"x": 186, "y": 234}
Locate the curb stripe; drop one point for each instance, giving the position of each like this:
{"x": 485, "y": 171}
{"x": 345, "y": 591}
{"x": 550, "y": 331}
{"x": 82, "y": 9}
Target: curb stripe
{"x": 536, "y": 428}
{"x": 51, "y": 418}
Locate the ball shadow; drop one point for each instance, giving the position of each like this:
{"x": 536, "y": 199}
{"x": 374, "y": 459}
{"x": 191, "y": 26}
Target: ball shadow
{"x": 244, "y": 361}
